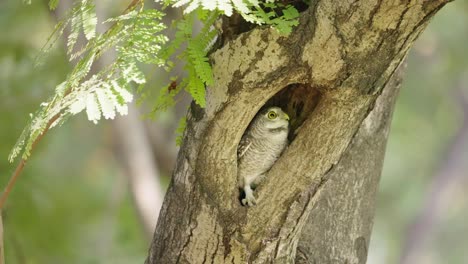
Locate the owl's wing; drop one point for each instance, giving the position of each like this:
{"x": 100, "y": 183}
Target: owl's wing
{"x": 244, "y": 145}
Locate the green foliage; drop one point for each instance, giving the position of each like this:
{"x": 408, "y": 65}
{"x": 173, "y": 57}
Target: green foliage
{"x": 53, "y": 4}
{"x": 66, "y": 198}
{"x": 83, "y": 18}
{"x": 107, "y": 91}
{"x": 253, "y": 11}
{"x": 283, "y": 23}
{"x": 194, "y": 55}
{"x": 137, "y": 38}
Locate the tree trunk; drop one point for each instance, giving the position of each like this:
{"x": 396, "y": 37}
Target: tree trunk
{"x": 327, "y": 75}
{"x": 345, "y": 208}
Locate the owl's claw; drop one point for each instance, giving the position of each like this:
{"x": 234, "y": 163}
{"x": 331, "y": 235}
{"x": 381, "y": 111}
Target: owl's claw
{"x": 249, "y": 199}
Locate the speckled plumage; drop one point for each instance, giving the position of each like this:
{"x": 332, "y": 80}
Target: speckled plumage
{"x": 260, "y": 146}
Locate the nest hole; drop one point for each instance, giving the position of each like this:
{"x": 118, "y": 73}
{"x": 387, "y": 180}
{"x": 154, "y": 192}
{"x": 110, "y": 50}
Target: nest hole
{"x": 298, "y": 100}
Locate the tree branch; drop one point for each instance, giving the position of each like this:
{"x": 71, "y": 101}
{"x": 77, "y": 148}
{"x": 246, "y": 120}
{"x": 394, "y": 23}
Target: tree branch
{"x": 22, "y": 163}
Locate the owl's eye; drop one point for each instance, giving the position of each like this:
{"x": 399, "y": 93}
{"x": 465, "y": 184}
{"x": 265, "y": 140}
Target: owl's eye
{"x": 272, "y": 115}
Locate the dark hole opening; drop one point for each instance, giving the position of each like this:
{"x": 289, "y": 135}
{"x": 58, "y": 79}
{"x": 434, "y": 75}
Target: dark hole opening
{"x": 298, "y": 100}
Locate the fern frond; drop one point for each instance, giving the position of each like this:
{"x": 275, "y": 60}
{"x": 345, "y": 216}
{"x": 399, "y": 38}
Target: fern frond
{"x": 19, "y": 145}
{"x": 195, "y": 86}
{"x": 137, "y": 38}
{"x": 252, "y": 11}
{"x": 202, "y": 69}
{"x": 83, "y": 17}
{"x": 74, "y": 32}
{"x": 92, "y": 108}
{"x": 51, "y": 40}
{"x": 88, "y": 19}
{"x": 183, "y": 32}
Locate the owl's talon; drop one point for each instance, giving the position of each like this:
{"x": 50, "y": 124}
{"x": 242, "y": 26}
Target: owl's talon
{"x": 249, "y": 200}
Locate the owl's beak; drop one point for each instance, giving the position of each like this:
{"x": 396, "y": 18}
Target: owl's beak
{"x": 286, "y": 116}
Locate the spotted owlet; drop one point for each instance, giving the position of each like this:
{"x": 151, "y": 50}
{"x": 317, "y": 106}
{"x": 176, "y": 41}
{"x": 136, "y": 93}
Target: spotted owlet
{"x": 260, "y": 146}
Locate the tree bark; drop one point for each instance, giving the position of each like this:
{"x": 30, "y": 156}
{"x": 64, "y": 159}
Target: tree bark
{"x": 327, "y": 74}
{"x": 345, "y": 208}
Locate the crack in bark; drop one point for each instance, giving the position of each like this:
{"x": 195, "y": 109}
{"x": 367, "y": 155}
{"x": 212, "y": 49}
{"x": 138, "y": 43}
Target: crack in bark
{"x": 374, "y": 12}
{"x": 344, "y": 74}
{"x": 301, "y": 215}
{"x": 402, "y": 16}
{"x": 189, "y": 237}
{"x": 215, "y": 252}
{"x": 346, "y": 16}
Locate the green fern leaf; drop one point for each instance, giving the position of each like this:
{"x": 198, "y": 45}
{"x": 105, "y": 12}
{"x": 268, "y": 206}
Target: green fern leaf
{"x": 74, "y": 32}
{"x": 195, "y": 86}
{"x": 88, "y": 19}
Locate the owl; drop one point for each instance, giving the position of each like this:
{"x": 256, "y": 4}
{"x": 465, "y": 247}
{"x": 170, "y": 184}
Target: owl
{"x": 260, "y": 146}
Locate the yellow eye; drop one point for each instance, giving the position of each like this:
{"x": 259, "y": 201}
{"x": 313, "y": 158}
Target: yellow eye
{"x": 272, "y": 115}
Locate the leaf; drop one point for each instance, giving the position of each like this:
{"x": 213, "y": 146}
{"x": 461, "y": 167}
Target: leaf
{"x": 181, "y": 3}
{"x": 88, "y": 19}
{"x": 225, "y": 6}
{"x": 79, "y": 105}
{"x": 92, "y": 108}
{"x": 107, "y": 103}
{"x": 241, "y": 6}
{"x": 19, "y": 144}
{"x": 209, "y": 5}
{"x": 130, "y": 72}
{"x": 53, "y": 4}
{"x": 183, "y": 32}
{"x": 290, "y": 12}
{"x": 192, "y": 6}
{"x": 74, "y": 32}
{"x": 126, "y": 96}
{"x": 196, "y": 88}
{"x": 81, "y": 69}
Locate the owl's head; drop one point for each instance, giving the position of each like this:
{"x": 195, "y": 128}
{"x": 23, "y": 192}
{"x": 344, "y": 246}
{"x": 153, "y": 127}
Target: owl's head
{"x": 273, "y": 118}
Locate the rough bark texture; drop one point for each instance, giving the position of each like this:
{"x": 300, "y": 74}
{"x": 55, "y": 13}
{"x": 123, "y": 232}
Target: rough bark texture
{"x": 343, "y": 215}
{"x": 343, "y": 53}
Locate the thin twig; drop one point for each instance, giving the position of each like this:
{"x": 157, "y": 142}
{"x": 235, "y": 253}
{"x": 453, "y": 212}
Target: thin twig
{"x": 20, "y": 166}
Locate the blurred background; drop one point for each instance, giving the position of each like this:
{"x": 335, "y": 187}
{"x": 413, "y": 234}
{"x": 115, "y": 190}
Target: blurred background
{"x": 78, "y": 200}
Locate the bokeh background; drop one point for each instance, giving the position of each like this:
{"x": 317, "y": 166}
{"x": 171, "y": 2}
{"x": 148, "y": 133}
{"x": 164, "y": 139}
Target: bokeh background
{"x": 77, "y": 200}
